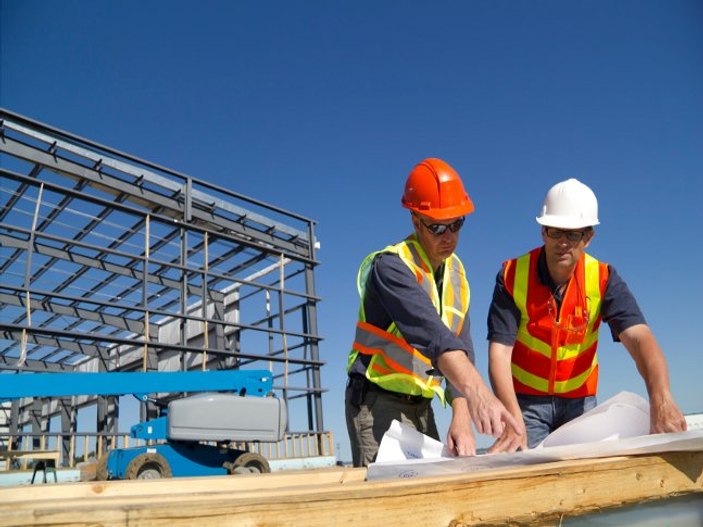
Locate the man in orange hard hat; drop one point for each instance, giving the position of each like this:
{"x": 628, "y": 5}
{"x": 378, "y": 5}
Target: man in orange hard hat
{"x": 544, "y": 320}
{"x": 414, "y": 328}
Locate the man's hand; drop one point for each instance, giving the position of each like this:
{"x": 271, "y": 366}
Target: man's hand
{"x": 665, "y": 416}
{"x": 460, "y": 438}
{"x": 487, "y": 412}
{"x": 509, "y": 441}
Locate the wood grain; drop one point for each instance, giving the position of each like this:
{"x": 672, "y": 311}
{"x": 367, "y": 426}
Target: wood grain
{"x": 535, "y": 495}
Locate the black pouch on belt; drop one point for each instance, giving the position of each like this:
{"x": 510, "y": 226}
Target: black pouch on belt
{"x": 358, "y": 386}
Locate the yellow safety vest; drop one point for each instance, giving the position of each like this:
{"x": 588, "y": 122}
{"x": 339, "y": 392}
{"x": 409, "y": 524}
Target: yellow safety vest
{"x": 394, "y": 364}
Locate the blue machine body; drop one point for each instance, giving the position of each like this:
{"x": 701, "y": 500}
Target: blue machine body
{"x": 185, "y": 458}
{"x": 154, "y": 429}
{"x": 140, "y": 384}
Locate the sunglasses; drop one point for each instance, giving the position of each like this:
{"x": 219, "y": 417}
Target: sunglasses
{"x": 572, "y": 236}
{"x": 440, "y": 228}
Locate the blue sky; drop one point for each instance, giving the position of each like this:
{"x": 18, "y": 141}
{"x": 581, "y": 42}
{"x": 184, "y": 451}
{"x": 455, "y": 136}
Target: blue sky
{"x": 322, "y": 108}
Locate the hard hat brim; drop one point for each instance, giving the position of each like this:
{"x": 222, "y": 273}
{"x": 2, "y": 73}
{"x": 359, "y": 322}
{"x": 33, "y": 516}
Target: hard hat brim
{"x": 561, "y": 222}
{"x": 444, "y": 214}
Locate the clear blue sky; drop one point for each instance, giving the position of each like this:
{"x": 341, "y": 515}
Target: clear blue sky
{"x": 323, "y": 108}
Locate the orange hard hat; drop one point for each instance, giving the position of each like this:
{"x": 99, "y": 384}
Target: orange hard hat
{"x": 434, "y": 189}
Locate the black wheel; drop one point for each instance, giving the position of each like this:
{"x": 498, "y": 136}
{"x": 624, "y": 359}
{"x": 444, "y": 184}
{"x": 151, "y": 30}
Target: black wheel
{"x": 101, "y": 468}
{"x": 148, "y": 466}
{"x": 249, "y": 463}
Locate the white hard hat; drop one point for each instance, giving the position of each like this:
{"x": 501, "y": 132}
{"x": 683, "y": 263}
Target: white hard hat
{"x": 569, "y": 205}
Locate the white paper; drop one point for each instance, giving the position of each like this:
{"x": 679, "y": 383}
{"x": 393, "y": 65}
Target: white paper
{"x": 617, "y": 427}
{"x": 649, "y": 444}
{"x": 623, "y": 415}
{"x": 403, "y": 442}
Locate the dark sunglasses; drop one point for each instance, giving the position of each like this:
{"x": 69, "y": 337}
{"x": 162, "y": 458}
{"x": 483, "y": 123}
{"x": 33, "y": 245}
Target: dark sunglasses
{"x": 572, "y": 236}
{"x": 440, "y": 228}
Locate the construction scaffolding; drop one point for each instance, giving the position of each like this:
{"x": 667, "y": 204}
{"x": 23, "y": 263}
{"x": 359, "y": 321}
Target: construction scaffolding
{"x": 112, "y": 263}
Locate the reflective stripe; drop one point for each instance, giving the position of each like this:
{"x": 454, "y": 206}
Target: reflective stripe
{"x": 551, "y": 357}
{"x": 372, "y": 340}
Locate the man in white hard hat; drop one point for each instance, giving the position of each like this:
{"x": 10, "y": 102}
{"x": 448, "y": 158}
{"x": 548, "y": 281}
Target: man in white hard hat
{"x": 543, "y": 326}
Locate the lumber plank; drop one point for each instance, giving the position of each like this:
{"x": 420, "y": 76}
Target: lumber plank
{"x": 534, "y": 495}
{"x": 154, "y": 487}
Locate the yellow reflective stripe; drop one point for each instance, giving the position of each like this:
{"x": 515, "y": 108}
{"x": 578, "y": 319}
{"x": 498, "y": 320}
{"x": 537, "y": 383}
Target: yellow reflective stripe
{"x": 457, "y": 296}
{"x": 454, "y": 311}
{"x": 593, "y": 295}
{"x": 522, "y": 271}
{"x": 398, "y": 382}
{"x": 528, "y": 379}
{"x": 575, "y": 382}
{"x": 572, "y": 350}
{"x": 533, "y": 343}
{"x": 542, "y": 385}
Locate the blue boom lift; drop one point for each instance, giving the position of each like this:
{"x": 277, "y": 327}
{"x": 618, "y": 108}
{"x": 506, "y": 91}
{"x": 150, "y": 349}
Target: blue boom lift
{"x": 191, "y": 436}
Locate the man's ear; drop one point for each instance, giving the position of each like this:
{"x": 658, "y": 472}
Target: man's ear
{"x": 589, "y": 236}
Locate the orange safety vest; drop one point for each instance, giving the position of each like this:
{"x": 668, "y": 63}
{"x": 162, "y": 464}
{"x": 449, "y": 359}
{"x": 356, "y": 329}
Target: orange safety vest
{"x": 394, "y": 364}
{"x": 555, "y": 352}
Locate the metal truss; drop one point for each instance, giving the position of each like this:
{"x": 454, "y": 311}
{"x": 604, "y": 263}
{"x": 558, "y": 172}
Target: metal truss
{"x": 112, "y": 263}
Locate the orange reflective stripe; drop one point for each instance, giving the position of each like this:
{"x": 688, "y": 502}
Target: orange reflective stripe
{"x": 396, "y": 353}
{"x": 383, "y": 371}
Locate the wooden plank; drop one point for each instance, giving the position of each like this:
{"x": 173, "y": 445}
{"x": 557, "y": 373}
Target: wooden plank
{"x": 233, "y": 484}
{"x": 534, "y": 495}
{"x": 26, "y": 455}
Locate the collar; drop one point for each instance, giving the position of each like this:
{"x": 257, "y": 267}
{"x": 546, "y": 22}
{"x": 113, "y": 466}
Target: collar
{"x": 544, "y": 277}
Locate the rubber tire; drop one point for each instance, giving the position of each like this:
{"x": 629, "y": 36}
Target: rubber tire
{"x": 146, "y": 465}
{"x": 249, "y": 463}
{"x": 101, "y": 468}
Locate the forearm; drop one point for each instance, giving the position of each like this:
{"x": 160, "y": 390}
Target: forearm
{"x": 487, "y": 412}
{"x": 459, "y": 371}
{"x": 649, "y": 359}
{"x": 665, "y": 415}
{"x": 501, "y": 377}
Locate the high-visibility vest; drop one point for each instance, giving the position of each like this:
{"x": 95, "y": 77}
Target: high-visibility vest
{"x": 395, "y": 365}
{"x": 555, "y": 351}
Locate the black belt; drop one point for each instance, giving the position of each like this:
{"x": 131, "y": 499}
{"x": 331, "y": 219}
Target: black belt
{"x": 415, "y": 399}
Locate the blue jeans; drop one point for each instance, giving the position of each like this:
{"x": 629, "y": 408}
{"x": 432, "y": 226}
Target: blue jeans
{"x": 545, "y": 413}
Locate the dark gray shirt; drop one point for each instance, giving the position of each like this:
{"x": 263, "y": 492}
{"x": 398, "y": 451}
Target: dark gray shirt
{"x": 619, "y": 308}
{"x": 394, "y": 295}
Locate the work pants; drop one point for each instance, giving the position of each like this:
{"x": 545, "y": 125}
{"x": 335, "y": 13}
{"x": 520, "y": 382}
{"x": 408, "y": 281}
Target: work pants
{"x": 369, "y": 420}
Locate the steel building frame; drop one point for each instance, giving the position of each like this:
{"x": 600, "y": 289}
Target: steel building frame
{"x": 112, "y": 263}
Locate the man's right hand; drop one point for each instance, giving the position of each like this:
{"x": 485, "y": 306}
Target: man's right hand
{"x": 487, "y": 412}
{"x": 489, "y": 415}
{"x": 509, "y": 441}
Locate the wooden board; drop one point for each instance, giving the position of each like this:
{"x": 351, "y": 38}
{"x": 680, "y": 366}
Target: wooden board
{"x": 534, "y": 495}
